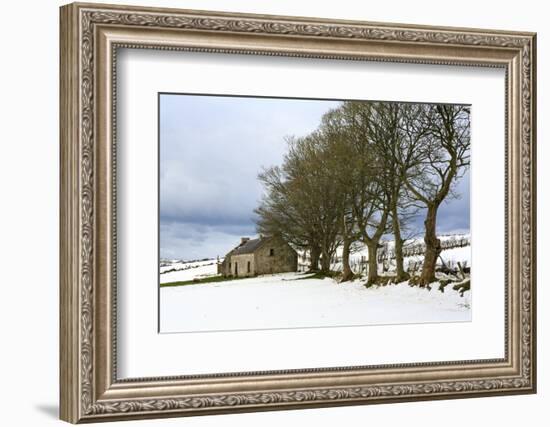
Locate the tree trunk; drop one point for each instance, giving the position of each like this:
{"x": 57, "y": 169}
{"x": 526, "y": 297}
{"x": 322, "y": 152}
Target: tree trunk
{"x": 373, "y": 262}
{"x": 433, "y": 247}
{"x": 314, "y": 254}
{"x": 347, "y": 274}
{"x": 400, "y": 273}
{"x": 325, "y": 261}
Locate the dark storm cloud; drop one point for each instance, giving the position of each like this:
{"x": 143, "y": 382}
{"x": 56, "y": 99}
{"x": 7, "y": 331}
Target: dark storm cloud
{"x": 454, "y": 213}
{"x": 211, "y": 151}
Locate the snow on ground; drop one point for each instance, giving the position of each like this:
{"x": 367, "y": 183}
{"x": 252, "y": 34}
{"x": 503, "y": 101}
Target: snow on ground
{"x": 281, "y": 301}
{"x": 188, "y": 270}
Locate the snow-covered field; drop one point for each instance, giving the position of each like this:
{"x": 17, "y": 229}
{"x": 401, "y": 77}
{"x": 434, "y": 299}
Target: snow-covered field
{"x": 281, "y": 301}
{"x": 289, "y": 300}
{"x": 187, "y": 270}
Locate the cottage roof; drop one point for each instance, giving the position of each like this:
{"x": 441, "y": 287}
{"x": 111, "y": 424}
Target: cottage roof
{"x": 249, "y": 246}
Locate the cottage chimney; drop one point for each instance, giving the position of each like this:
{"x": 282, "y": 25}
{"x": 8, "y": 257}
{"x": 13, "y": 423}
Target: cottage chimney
{"x": 244, "y": 240}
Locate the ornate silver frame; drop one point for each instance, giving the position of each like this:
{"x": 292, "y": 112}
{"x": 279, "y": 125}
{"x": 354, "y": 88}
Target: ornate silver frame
{"x": 90, "y": 36}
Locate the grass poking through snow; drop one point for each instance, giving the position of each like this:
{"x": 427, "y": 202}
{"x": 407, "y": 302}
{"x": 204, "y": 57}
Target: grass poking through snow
{"x": 212, "y": 279}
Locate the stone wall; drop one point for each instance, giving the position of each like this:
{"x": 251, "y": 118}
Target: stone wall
{"x": 276, "y": 256}
{"x": 273, "y": 256}
{"x": 223, "y": 267}
{"x": 243, "y": 269}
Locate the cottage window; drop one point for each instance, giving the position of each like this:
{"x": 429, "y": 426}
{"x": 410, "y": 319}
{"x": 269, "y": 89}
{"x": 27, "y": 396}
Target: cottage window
{"x": 272, "y": 252}
{"x": 248, "y": 267}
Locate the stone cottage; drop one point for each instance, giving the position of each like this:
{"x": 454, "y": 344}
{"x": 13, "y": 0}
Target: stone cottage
{"x": 264, "y": 255}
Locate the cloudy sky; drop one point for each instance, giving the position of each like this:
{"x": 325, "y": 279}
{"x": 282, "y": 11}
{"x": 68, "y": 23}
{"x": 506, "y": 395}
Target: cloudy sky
{"x": 211, "y": 151}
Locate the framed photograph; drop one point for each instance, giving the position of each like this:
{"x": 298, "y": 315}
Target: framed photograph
{"x": 266, "y": 212}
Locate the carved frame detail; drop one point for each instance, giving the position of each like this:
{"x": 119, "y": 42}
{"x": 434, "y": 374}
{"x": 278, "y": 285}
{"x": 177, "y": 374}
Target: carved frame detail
{"x": 81, "y": 400}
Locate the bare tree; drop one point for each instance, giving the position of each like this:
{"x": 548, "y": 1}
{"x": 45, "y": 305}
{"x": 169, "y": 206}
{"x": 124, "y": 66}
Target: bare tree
{"x": 300, "y": 203}
{"x": 367, "y": 172}
{"x": 362, "y": 174}
{"x": 366, "y": 139}
{"x": 279, "y": 215}
{"x": 386, "y": 131}
{"x": 340, "y": 154}
{"x": 436, "y": 155}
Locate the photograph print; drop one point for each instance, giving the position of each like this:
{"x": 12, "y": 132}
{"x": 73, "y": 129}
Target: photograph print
{"x": 282, "y": 213}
